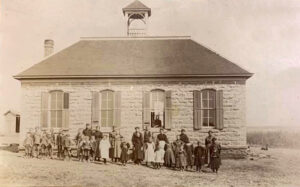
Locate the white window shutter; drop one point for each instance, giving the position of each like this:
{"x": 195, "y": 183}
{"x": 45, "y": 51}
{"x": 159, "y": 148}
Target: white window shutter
{"x": 197, "y": 109}
{"x": 146, "y": 108}
{"x": 44, "y": 109}
{"x": 117, "y": 109}
{"x": 168, "y": 110}
{"x": 219, "y": 110}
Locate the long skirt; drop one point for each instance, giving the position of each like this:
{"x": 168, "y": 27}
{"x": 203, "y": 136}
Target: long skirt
{"x": 98, "y": 150}
{"x": 215, "y": 163}
{"x": 181, "y": 160}
{"x": 138, "y": 153}
{"x": 169, "y": 157}
{"x": 149, "y": 153}
{"x": 124, "y": 155}
{"x": 159, "y": 156}
{"x": 189, "y": 155}
{"x": 117, "y": 149}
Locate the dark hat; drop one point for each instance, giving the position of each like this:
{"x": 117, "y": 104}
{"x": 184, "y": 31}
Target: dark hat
{"x": 182, "y": 130}
{"x": 137, "y": 128}
{"x": 161, "y": 128}
{"x": 210, "y": 131}
{"x": 214, "y": 139}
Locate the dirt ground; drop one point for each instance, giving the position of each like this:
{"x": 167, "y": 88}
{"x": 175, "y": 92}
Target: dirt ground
{"x": 276, "y": 167}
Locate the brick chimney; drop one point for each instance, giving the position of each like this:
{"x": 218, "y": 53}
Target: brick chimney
{"x": 49, "y": 45}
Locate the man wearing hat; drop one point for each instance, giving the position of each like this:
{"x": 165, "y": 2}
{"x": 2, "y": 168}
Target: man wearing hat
{"x": 161, "y": 136}
{"x": 208, "y": 142}
{"x": 184, "y": 137}
{"x": 137, "y": 142}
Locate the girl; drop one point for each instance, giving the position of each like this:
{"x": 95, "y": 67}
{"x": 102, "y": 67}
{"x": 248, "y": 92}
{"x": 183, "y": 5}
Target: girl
{"x": 124, "y": 152}
{"x": 181, "y": 158}
{"x": 169, "y": 156}
{"x": 104, "y": 147}
{"x": 86, "y": 147}
{"x": 149, "y": 152}
{"x": 159, "y": 154}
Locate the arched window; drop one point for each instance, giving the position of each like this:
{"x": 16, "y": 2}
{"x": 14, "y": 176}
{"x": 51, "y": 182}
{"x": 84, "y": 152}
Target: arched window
{"x": 157, "y": 108}
{"x": 208, "y": 98}
{"x": 107, "y": 108}
{"x": 56, "y": 109}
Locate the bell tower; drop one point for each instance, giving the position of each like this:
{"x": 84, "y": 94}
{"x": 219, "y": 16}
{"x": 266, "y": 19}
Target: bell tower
{"x": 136, "y": 15}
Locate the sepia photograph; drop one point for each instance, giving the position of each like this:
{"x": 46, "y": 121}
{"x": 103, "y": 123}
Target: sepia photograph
{"x": 146, "y": 93}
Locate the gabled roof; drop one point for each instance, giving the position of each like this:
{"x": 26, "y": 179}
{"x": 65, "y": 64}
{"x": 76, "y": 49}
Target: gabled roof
{"x": 11, "y": 112}
{"x": 134, "y": 57}
{"x": 137, "y": 6}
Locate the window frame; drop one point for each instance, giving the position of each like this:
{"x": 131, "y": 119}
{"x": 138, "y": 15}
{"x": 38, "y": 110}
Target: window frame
{"x": 56, "y": 109}
{"x": 152, "y": 107}
{"x": 107, "y": 126}
{"x": 208, "y": 109}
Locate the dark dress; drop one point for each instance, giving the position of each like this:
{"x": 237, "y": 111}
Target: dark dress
{"x": 169, "y": 156}
{"x": 112, "y": 139}
{"x": 208, "y": 142}
{"x": 147, "y": 136}
{"x": 162, "y": 137}
{"x": 215, "y": 151}
{"x": 180, "y": 158}
{"x": 189, "y": 149}
{"x": 98, "y": 136}
{"x": 124, "y": 152}
{"x": 199, "y": 154}
{"x": 184, "y": 138}
{"x": 137, "y": 142}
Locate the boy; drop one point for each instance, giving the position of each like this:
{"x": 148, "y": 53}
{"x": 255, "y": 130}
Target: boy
{"x": 124, "y": 151}
{"x": 78, "y": 140}
{"x": 28, "y": 143}
{"x": 215, "y": 152}
{"x": 44, "y": 144}
{"x": 36, "y": 142}
{"x": 67, "y": 143}
{"x": 51, "y": 143}
{"x": 199, "y": 154}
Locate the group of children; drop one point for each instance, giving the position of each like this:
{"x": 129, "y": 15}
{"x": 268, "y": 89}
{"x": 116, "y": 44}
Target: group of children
{"x": 93, "y": 146}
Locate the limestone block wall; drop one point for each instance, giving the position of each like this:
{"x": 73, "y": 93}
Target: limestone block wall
{"x": 232, "y": 136}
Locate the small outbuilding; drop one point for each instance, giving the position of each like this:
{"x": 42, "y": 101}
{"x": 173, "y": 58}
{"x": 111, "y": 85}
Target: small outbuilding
{"x": 11, "y": 125}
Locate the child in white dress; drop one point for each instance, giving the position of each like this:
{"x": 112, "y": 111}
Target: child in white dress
{"x": 104, "y": 147}
{"x": 160, "y": 154}
{"x": 149, "y": 152}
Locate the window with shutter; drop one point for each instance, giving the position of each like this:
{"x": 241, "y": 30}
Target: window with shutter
{"x": 107, "y": 108}
{"x": 197, "y": 109}
{"x": 95, "y": 109}
{"x": 208, "y": 108}
{"x": 219, "y": 110}
{"x": 56, "y": 109}
{"x": 157, "y": 106}
{"x": 146, "y": 108}
{"x": 117, "y": 109}
{"x": 44, "y": 109}
{"x": 168, "y": 110}
{"x": 66, "y": 111}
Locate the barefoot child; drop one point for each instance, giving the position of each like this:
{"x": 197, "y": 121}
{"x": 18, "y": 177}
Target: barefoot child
{"x": 28, "y": 143}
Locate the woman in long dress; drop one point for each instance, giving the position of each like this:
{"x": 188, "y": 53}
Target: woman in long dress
{"x": 137, "y": 142}
{"x": 117, "y": 146}
{"x": 169, "y": 156}
{"x": 104, "y": 147}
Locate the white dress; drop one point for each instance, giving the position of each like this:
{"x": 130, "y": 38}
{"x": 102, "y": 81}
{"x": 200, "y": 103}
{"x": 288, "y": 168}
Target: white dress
{"x": 160, "y": 153}
{"x": 149, "y": 153}
{"x": 104, "y": 147}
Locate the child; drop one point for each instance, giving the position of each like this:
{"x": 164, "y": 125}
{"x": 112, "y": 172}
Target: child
{"x": 59, "y": 143}
{"x": 51, "y": 142}
{"x": 189, "y": 150}
{"x": 44, "y": 145}
{"x": 93, "y": 148}
{"x": 199, "y": 154}
{"x": 181, "y": 158}
{"x": 86, "y": 147}
{"x": 124, "y": 152}
{"x": 177, "y": 149}
{"x": 104, "y": 147}
{"x": 78, "y": 140}
{"x": 149, "y": 152}
{"x": 169, "y": 156}
{"x": 67, "y": 147}
{"x": 215, "y": 159}
{"x": 36, "y": 142}
{"x": 28, "y": 143}
{"x": 159, "y": 154}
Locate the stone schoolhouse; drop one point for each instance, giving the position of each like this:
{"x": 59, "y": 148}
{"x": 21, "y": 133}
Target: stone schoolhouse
{"x": 139, "y": 80}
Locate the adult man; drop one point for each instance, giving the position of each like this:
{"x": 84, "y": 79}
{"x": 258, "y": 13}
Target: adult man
{"x": 208, "y": 142}
{"x": 59, "y": 143}
{"x": 161, "y": 136}
{"x": 88, "y": 131}
{"x": 98, "y": 136}
{"x": 137, "y": 142}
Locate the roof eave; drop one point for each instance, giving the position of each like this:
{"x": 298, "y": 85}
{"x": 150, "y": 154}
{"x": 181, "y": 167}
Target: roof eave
{"x": 22, "y": 77}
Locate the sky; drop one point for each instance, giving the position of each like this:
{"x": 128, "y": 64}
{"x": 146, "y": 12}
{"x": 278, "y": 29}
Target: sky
{"x": 261, "y": 36}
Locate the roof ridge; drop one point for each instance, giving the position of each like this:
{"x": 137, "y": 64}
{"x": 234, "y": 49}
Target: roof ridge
{"x": 138, "y": 38}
